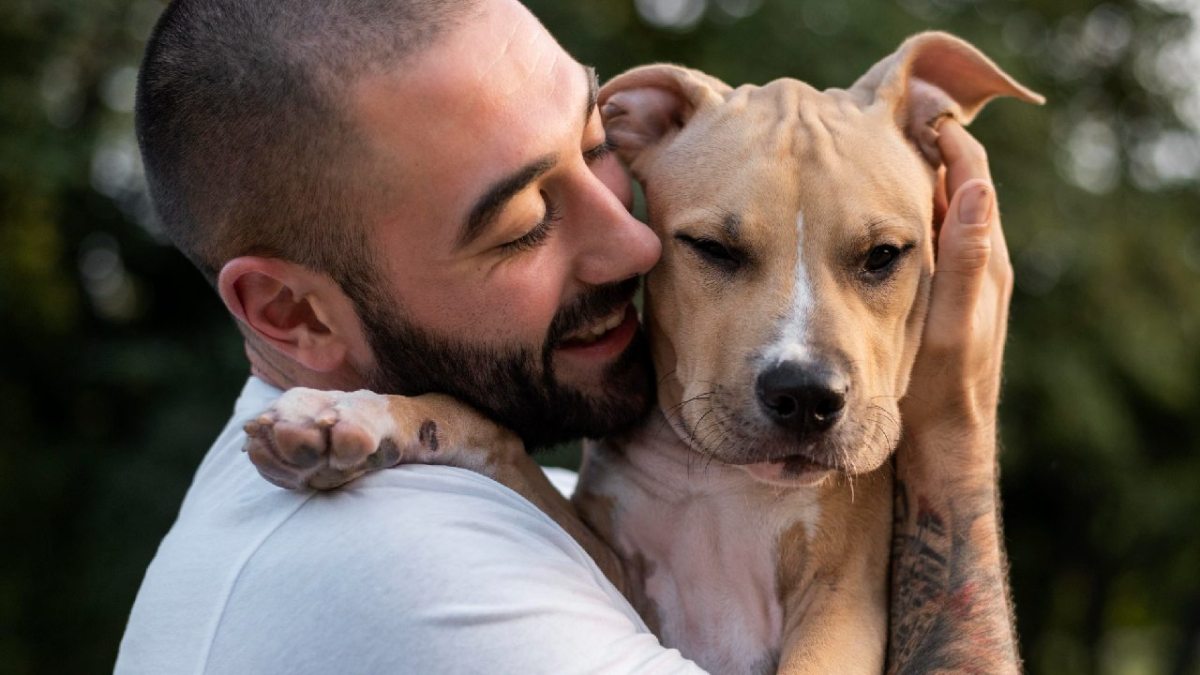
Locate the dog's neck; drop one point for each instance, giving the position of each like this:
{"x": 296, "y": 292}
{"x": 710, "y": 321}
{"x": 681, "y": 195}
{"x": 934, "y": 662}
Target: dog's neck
{"x": 707, "y": 539}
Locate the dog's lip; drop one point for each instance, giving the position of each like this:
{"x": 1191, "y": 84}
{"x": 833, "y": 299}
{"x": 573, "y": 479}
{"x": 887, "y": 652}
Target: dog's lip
{"x": 789, "y": 470}
{"x": 795, "y": 458}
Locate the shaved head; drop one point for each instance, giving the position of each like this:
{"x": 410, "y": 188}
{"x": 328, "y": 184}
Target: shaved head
{"x": 247, "y": 146}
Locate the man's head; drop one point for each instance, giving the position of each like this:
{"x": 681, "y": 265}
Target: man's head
{"x": 412, "y": 195}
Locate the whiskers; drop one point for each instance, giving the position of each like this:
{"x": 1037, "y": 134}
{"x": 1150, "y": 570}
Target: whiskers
{"x": 710, "y": 430}
{"x": 870, "y": 435}
{"x": 714, "y": 431}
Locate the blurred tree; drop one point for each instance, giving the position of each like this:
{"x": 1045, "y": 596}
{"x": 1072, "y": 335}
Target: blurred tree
{"x": 120, "y": 364}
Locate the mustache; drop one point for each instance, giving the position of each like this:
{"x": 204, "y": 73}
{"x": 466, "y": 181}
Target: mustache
{"x": 593, "y": 305}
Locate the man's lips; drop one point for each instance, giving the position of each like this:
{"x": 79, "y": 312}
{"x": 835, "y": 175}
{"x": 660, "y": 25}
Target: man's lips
{"x": 595, "y": 330}
{"x": 607, "y": 336}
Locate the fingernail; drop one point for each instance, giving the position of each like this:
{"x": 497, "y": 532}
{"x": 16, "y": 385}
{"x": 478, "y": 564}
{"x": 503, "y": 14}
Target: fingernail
{"x": 976, "y": 205}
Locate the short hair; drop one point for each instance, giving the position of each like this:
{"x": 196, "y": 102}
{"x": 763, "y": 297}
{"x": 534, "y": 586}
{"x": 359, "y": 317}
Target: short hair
{"x": 246, "y": 143}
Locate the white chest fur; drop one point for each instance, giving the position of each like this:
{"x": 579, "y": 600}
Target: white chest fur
{"x": 706, "y": 539}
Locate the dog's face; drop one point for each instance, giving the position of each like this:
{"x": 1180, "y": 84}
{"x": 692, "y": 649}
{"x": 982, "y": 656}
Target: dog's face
{"x": 789, "y": 302}
{"x": 797, "y": 255}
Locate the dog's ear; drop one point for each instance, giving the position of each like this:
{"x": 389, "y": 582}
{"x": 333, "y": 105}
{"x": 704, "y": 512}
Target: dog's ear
{"x": 645, "y": 106}
{"x": 933, "y": 76}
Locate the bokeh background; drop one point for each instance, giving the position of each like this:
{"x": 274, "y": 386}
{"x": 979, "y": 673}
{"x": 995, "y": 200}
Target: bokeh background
{"x": 118, "y": 364}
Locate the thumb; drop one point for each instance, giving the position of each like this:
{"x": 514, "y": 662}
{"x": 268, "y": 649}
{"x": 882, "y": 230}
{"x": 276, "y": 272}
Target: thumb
{"x": 964, "y": 248}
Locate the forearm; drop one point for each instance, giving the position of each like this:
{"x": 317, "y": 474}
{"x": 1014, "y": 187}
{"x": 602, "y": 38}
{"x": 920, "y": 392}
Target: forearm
{"x": 950, "y": 607}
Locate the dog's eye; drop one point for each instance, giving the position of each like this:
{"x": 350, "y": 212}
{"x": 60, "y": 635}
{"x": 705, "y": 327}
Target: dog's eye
{"x": 712, "y": 251}
{"x": 881, "y": 258}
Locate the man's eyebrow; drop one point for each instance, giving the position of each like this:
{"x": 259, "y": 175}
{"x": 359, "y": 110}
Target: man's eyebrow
{"x": 493, "y": 201}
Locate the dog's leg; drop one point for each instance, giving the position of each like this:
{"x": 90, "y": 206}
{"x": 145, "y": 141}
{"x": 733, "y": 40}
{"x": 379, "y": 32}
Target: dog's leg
{"x": 324, "y": 439}
{"x": 836, "y": 602}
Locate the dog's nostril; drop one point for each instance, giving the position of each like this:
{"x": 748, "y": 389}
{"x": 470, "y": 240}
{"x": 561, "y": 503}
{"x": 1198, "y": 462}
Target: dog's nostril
{"x": 804, "y": 398}
{"x": 783, "y": 406}
{"x": 828, "y": 404}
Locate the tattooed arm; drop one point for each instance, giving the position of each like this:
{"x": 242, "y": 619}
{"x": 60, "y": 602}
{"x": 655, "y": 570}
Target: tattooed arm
{"x": 950, "y": 607}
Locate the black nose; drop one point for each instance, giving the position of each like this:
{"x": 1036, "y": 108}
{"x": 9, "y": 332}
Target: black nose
{"x": 806, "y": 398}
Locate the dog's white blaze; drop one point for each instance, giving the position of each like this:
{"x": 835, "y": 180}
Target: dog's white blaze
{"x": 792, "y": 344}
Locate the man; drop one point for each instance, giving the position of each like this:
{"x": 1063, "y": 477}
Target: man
{"x": 416, "y": 195}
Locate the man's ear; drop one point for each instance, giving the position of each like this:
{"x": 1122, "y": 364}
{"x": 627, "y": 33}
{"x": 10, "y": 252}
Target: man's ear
{"x": 930, "y": 77}
{"x": 645, "y": 106}
{"x": 300, "y": 313}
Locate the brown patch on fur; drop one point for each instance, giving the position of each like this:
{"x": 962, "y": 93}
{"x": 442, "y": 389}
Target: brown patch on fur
{"x": 428, "y": 435}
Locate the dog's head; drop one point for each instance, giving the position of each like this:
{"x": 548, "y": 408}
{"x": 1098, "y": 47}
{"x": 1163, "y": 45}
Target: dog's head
{"x": 797, "y": 248}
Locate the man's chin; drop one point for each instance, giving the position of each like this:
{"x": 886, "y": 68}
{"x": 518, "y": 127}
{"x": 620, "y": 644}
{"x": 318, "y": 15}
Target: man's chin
{"x": 603, "y": 404}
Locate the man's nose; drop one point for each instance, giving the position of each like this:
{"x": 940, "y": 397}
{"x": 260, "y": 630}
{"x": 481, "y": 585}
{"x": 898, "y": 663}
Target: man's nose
{"x": 804, "y": 397}
{"x": 613, "y": 244}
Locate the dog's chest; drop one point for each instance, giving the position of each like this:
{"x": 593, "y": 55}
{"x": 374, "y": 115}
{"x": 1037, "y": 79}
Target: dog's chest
{"x": 710, "y": 565}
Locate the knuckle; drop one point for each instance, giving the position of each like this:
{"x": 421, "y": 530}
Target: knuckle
{"x": 973, "y": 254}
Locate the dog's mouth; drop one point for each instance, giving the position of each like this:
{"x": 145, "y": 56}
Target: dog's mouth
{"x": 720, "y": 427}
{"x": 790, "y": 470}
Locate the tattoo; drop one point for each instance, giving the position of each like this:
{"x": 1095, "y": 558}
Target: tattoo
{"x": 949, "y": 607}
{"x": 921, "y": 571}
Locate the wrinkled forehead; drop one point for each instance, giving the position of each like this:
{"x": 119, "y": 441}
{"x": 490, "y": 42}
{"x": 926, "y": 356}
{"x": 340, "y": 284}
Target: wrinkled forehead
{"x": 774, "y": 150}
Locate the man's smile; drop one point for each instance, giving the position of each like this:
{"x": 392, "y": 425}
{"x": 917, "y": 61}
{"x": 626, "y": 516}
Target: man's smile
{"x": 591, "y": 333}
{"x": 607, "y": 337}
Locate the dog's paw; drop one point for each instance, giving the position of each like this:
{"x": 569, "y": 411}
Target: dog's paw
{"x": 323, "y": 439}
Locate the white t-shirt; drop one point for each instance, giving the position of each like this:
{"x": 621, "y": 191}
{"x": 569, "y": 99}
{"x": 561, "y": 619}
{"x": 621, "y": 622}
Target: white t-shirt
{"x": 419, "y": 569}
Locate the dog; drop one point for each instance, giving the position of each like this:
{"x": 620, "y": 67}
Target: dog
{"x": 749, "y": 518}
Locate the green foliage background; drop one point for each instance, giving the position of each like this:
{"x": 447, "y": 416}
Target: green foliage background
{"x": 119, "y": 366}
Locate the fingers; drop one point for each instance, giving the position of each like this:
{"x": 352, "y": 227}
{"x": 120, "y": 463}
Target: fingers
{"x": 964, "y": 156}
{"x": 964, "y": 251}
{"x": 966, "y": 160}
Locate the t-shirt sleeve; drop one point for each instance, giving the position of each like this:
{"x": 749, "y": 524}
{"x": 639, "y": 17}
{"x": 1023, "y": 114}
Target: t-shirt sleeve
{"x": 458, "y": 576}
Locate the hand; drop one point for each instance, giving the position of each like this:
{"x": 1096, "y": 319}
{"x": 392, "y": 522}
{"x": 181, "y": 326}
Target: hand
{"x": 954, "y": 391}
{"x": 949, "y": 600}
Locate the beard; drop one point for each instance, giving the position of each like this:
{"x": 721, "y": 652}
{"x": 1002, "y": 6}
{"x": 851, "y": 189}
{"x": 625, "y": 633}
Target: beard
{"x": 515, "y": 385}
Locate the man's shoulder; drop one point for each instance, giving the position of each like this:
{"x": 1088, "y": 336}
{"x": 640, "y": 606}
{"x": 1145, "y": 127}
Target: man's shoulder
{"x": 437, "y": 507}
{"x": 428, "y": 555}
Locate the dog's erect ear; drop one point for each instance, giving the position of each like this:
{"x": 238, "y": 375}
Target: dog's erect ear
{"x": 647, "y": 105}
{"x": 933, "y": 76}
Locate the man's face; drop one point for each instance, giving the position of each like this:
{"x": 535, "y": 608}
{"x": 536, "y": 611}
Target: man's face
{"x": 502, "y": 234}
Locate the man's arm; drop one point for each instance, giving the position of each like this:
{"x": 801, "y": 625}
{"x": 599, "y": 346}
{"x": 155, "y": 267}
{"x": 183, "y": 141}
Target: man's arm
{"x": 950, "y": 606}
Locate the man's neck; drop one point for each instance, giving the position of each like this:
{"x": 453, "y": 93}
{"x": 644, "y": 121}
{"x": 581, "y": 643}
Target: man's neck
{"x": 284, "y": 374}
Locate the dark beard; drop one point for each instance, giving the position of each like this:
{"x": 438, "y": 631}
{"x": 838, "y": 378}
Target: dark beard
{"x": 513, "y": 385}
